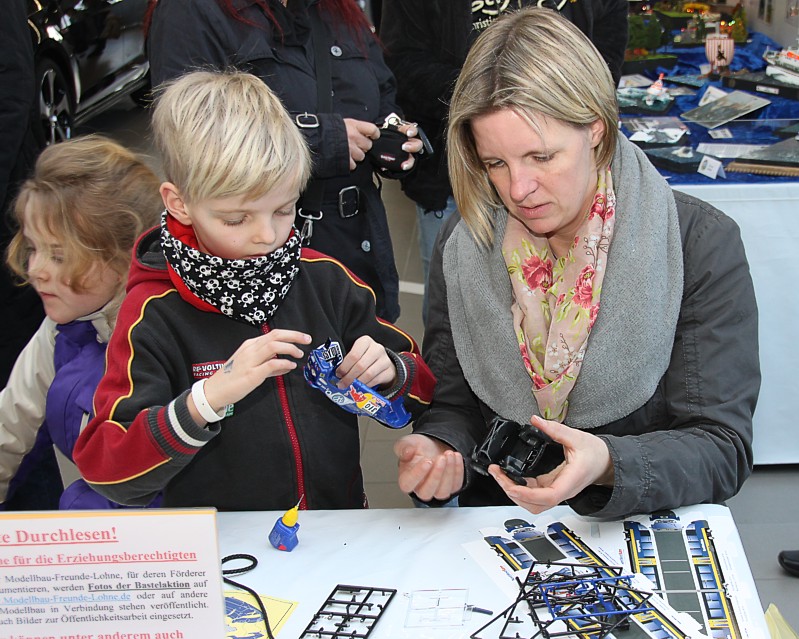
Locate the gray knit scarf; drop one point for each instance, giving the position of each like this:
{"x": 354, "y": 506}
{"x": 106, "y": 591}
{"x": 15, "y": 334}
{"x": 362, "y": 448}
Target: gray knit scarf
{"x": 631, "y": 342}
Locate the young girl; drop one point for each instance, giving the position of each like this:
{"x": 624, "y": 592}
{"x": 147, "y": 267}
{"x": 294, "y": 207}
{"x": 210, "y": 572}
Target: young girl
{"x": 78, "y": 217}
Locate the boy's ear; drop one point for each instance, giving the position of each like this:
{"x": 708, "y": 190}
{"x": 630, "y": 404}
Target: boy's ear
{"x": 174, "y": 203}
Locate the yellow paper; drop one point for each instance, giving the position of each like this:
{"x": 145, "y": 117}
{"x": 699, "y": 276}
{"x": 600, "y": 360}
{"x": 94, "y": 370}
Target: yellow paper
{"x": 777, "y": 625}
{"x": 243, "y": 617}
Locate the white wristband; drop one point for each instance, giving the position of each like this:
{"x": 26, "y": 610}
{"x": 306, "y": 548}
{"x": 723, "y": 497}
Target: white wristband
{"x": 202, "y": 405}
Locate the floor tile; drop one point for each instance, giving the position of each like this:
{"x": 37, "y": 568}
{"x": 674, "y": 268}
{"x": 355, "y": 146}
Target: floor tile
{"x": 387, "y": 495}
{"x": 769, "y": 495}
{"x": 766, "y": 513}
{"x": 379, "y": 462}
{"x": 784, "y": 594}
{"x": 379, "y": 433}
{"x": 404, "y": 230}
{"x": 410, "y": 319}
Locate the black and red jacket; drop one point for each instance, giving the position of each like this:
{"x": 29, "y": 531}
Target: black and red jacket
{"x": 284, "y": 440}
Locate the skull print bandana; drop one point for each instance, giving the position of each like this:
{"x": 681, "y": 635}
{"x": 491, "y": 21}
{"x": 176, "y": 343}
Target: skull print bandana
{"x": 248, "y": 290}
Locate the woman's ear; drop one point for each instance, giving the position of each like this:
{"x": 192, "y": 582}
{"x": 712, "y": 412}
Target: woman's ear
{"x": 174, "y": 203}
{"x": 597, "y": 128}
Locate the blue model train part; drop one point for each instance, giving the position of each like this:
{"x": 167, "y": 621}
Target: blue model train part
{"x": 682, "y": 563}
{"x": 580, "y": 601}
{"x": 510, "y": 552}
{"x": 357, "y": 398}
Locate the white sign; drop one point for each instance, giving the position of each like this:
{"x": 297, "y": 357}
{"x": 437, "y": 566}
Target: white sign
{"x": 711, "y": 167}
{"x": 711, "y": 95}
{"x": 149, "y": 574}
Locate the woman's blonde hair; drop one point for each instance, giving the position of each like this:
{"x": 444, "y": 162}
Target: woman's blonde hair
{"x": 539, "y": 64}
{"x": 95, "y": 197}
{"x": 226, "y": 134}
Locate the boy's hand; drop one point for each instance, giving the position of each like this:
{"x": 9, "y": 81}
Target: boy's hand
{"x": 368, "y": 361}
{"x": 254, "y": 361}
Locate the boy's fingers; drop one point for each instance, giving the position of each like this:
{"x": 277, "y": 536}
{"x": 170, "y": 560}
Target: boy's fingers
{"x": 372, "y": 375}
{"x": 276, "y": 367}
{"x": 286, "y": 335}
{"x": 363, "y": 356}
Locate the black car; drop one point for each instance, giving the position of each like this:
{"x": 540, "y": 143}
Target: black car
{"x": 89, "y": 55}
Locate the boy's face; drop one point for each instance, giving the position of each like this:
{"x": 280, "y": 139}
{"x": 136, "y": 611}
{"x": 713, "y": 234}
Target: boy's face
{"x": 237, "y": 227}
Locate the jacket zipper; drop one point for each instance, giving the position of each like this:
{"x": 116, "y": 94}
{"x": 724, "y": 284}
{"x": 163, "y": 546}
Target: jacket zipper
{"x": 295, "y": 442}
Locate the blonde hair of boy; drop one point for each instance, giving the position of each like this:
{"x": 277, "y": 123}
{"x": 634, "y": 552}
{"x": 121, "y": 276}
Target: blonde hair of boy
{"x": 539, "y": 64}
{"x": 95, "y": 197}
{"x": 226, "y": 134}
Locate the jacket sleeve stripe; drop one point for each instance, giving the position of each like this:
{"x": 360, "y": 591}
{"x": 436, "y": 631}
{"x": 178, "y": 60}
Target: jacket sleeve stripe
{"x": 128, "y": 353}
{"x": 313, "y": 256}
{"x": 182, "y": 434}
{"x": 174, "y": 429}
{"x": 412, "y": 347}
{"x": 126, "y": 478}
{"x": 423, "y": 381}
{"x": 165, "y": 434}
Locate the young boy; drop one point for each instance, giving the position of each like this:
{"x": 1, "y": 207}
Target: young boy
{"x": 204, "y": 397}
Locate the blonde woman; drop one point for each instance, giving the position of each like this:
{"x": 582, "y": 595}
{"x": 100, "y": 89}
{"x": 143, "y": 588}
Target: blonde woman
{"x": 580, "y": 294}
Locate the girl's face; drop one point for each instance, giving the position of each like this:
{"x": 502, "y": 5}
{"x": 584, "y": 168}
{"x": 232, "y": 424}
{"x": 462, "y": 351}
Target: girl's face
{"x": 46, "y": 274}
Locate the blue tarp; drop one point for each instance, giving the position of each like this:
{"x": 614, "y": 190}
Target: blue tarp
{"x": 756, "y": 128}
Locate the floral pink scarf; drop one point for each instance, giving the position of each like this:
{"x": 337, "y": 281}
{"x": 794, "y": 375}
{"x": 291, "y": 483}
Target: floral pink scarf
{"x": 556, "y": 302}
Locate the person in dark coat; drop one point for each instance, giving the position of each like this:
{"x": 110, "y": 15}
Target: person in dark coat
{"x": 426, "y": 42}
{"x": 21, "y": 310}
{"x": 580, "y": 297}
{"x": 278, "y": 42}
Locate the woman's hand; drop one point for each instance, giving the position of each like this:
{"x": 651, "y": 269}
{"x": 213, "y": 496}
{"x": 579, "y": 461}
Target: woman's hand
{"x": 368, "y": 361}
{"x": 360, "y": 135}
{"x": 428, "y": 467}
{"x": 254, "y": 361}
{"x": 413, "y": 145}
{"x": 587, "y": 461}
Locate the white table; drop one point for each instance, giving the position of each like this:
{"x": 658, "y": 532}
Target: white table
{"x": 421, "y": 549}
{"x": 768, "y": 215}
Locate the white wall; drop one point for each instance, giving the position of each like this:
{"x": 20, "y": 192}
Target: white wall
{"x": 783, "y": 27}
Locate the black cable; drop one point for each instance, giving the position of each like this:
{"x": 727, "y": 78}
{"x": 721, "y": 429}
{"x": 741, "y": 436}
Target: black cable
{"x": 240, "y": 571}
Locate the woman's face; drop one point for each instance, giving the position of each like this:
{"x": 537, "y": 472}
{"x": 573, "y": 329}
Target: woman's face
{"x": 545, "y": 176}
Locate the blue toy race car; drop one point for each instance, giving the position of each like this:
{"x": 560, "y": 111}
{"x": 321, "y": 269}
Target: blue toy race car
{"x": 357, "y": 398}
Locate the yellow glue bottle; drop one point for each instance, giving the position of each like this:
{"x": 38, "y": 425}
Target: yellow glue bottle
{"x": 284, "y": 532}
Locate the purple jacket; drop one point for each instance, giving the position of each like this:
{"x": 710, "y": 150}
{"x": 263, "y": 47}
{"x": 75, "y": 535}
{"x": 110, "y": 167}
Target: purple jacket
{"x": 79, "y": 360}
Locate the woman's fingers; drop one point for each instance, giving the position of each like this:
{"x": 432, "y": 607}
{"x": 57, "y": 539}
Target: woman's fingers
{"x": 428, "y": 468}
